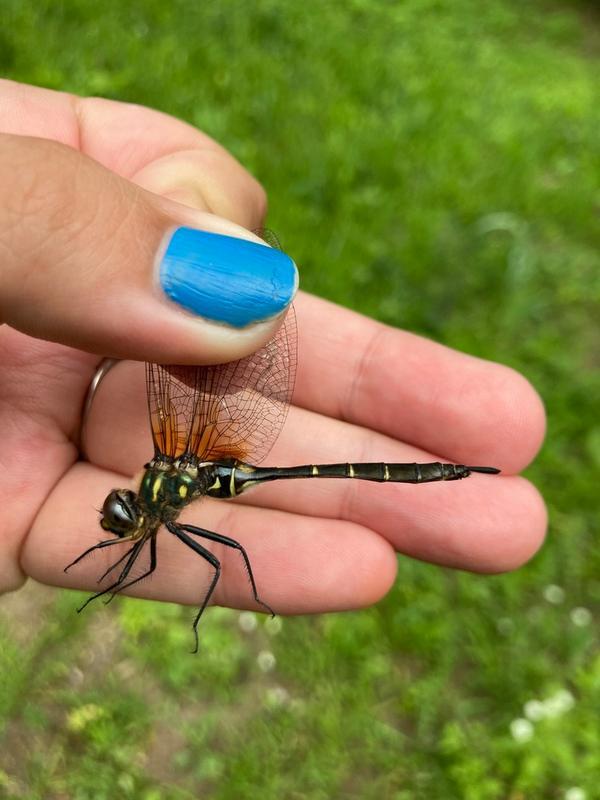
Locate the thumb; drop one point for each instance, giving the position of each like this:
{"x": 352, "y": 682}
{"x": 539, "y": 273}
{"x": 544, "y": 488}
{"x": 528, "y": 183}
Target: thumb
{"x": 96, "y": 262}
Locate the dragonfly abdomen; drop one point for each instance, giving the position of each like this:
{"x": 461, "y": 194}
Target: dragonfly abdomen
{"x": 382, "y": 472}
{"x": 239, "y": 477}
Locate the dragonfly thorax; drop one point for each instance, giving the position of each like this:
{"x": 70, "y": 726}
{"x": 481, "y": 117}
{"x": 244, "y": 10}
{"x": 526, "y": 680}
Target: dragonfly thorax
{"x": 168, "y": 486}
{"x": 165, "y": 488}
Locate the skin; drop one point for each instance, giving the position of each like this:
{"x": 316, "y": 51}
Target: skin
{"x": 78, "y": 239}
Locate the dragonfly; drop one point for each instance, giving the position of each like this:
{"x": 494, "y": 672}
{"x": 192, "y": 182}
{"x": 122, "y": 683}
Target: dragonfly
{"x": 212, "y": 426}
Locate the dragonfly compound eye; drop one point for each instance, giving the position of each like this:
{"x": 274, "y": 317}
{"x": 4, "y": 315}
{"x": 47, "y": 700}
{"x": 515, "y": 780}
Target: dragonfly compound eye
{"x": 120, "y": 512}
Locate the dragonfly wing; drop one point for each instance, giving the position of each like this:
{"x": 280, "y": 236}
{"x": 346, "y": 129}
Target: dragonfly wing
{"x": 171, "y": 404}
{"x": 233, "y": 410}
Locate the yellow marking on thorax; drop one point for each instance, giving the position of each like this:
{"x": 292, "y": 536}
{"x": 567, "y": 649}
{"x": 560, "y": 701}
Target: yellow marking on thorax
{"x": 183, "y": 489}
{"x": 350, "y": 470}
{"x": 156, "y": 488}
{"x": 232, "y": 491}
{"x": 315, "y": 470}
{"x": 386, "y": 473}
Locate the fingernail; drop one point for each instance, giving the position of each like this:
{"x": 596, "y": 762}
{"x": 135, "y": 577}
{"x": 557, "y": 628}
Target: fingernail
{"x": 226, "y": 279}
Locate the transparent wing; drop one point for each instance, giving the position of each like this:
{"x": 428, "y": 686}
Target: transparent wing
{"x": 233, "y": 410}
{"x": 268, "y": 236}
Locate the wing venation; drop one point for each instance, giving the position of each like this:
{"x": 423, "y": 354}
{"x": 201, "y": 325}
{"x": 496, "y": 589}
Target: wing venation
{"x": 233, "y": 410}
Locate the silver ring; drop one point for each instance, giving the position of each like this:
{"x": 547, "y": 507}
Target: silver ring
{"x": 101, "y": 372}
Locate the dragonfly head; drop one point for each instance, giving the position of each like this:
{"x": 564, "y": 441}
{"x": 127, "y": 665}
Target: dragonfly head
{"x": 121, "y": 513}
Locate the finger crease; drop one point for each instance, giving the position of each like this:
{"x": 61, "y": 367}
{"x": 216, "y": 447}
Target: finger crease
{"x": 352, "y": 399}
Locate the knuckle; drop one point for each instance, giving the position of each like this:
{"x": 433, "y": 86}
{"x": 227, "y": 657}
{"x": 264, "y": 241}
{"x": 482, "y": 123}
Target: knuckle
{"x": 235, "y": 193}
{"x": 40, "y": 189}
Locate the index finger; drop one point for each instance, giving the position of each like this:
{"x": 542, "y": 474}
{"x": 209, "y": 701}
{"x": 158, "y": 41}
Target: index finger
{"x": 463, "y": 408}
{"x": 161, "y": 153}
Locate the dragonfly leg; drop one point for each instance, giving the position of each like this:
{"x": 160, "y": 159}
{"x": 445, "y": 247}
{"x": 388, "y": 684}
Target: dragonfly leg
{"x": 225, "y": 540}
{"x": 116, "y": 564}
{"x": 212, "y": 560}
{"x": 149, "y": 571}
{"x": 124, "y": 573}
{"x": 104, "y": 543}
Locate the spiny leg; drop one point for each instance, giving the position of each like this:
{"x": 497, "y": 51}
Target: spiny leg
{"x": 149, "y": 571}
{"x": 116, "y": 564}
{"x": 104, "y": 543}
{"x": 212, "y": 560}
{"x": 124, "y": 573}
{"x": 225, "y": 540}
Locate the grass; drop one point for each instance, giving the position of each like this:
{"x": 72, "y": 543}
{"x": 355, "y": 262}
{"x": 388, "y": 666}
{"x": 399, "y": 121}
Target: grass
{"x": 434, "y": 165}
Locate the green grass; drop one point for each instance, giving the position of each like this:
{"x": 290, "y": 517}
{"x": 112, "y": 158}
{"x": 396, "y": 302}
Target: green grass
{"x": 434, "y": 165}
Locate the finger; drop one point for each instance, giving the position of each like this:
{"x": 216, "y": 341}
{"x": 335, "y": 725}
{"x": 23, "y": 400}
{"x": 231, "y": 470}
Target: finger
{"x": 155, "y": 150}
{"x": 93, "y": 261}
{"x": 483, "y": 523}
{"x": 210, "y": 180}
{"x": 463, "y": 408}
{"x": 300, "y": 565}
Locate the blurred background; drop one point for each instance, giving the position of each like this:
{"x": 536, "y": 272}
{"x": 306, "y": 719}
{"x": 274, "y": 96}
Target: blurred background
{"x": 434, "y": 165}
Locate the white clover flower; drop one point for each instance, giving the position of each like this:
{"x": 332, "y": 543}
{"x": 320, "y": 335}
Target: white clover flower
{"x": 521, "y": 729}
{"x": 575, "y": 793}
{"x": 247, "y": 621}
{"x": 273, "y": 625}
{"x": 277, "y": 696}
{"x": 581, "y": 616}
{"x": 535, "y": 710}
{"x": 554, "y": 594}
{"x": 559, "y": 703}
{"x": 266, "y": 660}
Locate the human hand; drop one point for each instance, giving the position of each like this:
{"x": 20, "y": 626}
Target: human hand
{"x": 364, "y": 392}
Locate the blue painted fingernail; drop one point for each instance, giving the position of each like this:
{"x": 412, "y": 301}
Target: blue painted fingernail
{"x": 226, "y": 279}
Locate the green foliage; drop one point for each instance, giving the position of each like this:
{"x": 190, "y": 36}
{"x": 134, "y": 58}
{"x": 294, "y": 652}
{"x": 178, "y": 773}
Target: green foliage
{"x": 434, "y": 165}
